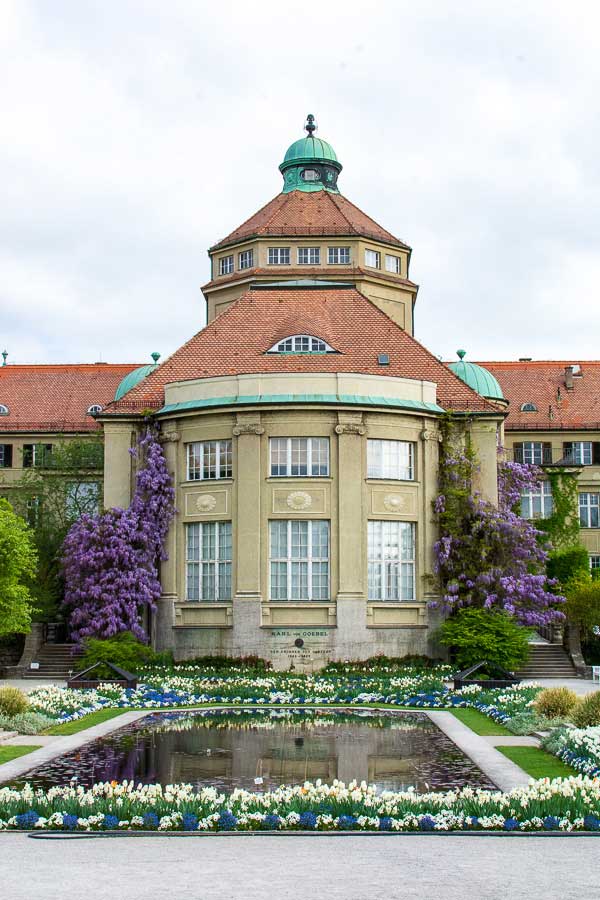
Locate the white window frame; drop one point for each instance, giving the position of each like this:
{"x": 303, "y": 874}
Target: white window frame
{"x": 226, "y": 265}
{"x": 391, "y": 567}
{"x": 589, "y": 502}
{"x": 581, "y": 453}
{"x": 312, "y": 256}
{"x": 334, "y": 255}
{"x": 533, "y": 452}
{"x": 276, "y": 255}
{"x": 4, "y": 410}
{"x": 291, "y": 561}
{"x": 540, "y": 494}
{"x": 375, "y": 256}
{"x": 391, "y": 460}
{"x": 393, "y": 264}
{"x": 246, "y": 259}
{"x": 594, "y": 561}
{"x": 195, "y": 457}
{"x": 220, "y": 567}
{"x": 301, "y": 343}
{"x": 312, "y": 447}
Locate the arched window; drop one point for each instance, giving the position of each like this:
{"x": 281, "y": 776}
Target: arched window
{"x": 529, "y": 407}
{"x": 3, "y": 410}
{"x": 301, "y": 343}
{"x": 94, "y": 409}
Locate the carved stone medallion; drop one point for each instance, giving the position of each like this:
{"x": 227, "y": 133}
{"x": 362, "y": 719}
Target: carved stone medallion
{"x": 393, "y": 502}
{"x": 299, "y": 500}
{"x": 206, "y": 503}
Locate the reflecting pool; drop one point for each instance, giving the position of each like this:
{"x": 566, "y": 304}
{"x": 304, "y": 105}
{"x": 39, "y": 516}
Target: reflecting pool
{"x": 260, "y": 749}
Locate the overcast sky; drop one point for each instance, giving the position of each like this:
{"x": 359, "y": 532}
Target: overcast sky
{"x": 134, "y": 134}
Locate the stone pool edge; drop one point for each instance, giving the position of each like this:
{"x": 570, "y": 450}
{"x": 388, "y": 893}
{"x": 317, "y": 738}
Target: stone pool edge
{"x": 504, "y": 773}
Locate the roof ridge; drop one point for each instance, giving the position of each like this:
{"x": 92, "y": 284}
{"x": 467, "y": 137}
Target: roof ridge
{"x": 367, "y": 216}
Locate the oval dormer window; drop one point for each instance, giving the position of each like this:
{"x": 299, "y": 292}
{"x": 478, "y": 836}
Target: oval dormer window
{"x": 94, "y": 409}
{"x": 301, "y": 343}
{"x": 3, "y": 410}
{"x": 529, "y": 407}
{"x": 310, "y": 175}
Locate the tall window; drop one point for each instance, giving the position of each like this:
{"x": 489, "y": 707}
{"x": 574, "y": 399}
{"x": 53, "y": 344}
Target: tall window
{"x": 391, "y": 459}
{"x": 391, "y": 560}
{"x": 594, "y": 561}
{"x": 589, "y": 510}
{"x": 299, "y": 559}
{"x": 246, "y": 259}
{"x": 309, "y": 256}
{"x": 299, "y": 457}
{"x": 372, "y": 258}
{"x": 37, "y": 456}
{"x": 536, "y": 503}
{"x": 226, "y": 265}
{"x": 392, "y": 264}
{"x": 207, "y": 460}
{"x": 6, "y": 456}
{"x": 579, "y": 452}
{"x": 208, "y": 561}
{"x": 279, "y": 256}
{"x": 338, "y": 256}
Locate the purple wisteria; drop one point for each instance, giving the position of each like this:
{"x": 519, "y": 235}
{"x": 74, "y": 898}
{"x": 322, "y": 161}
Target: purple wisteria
{"x": 110, "y": 561}
{"x": 489, "y": 556}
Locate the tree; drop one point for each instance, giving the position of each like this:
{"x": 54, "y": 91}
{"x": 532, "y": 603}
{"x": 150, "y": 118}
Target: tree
{"x": 110, "y": 561}
{"x": 488, "y": 556}
{"x": 51, "y": 497}
{"x": 17, "y": 564}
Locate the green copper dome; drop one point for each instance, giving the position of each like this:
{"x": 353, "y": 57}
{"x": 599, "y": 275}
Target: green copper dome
{"x": 133, "y": 378}
{"x": 477, "y": 378}
{"x": 310, "y": 164}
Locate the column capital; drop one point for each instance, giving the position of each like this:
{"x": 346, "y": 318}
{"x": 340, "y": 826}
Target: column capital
{"x": 248, "y": 428}
{"x": 350, "y": 428}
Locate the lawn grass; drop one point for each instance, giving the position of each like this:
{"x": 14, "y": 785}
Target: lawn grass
{"x": 478, "y": 722}
{"x": 537, "y": 763}
{"x": 93, "y": 718}
{"x": 13, "y": 751}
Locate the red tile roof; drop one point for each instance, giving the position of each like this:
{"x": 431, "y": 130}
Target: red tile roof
{"x": 317, "y": 213}
{"x": 542, "y": 382}
{"x": 236, "y": 342}
{"x": 330, "y": 273}
{"x": 55, "y": 398}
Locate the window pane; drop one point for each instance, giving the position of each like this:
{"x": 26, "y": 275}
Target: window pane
{"x": 299, "y": 567}
{"x": 208, "y": 551}
{"x": 390, "y": 459}
{"x": 391, "y": 557}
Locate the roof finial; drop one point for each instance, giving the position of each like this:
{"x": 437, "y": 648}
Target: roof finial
{"x": 155, "y": 356}
{"x": 4, "y": 355}
{"x": 311, "y": 125}
{"x": 461, "y": 354}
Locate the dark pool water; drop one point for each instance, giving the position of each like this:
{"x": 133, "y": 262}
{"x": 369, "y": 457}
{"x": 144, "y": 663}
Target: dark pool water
{"x": 236, "y": 749}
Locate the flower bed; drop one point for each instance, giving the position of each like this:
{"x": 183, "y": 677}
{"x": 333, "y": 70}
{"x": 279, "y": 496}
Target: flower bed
{"x": 580, "y": 748}
{"x": 571, "y": 804}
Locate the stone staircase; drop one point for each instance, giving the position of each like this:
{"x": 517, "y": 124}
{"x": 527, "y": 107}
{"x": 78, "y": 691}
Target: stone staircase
{"x": 57, "y": 661}
{"x": 547, "y": 661}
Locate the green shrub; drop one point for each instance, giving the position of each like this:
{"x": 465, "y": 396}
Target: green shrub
{"x": 225, "y": 662}
{"x": 566, "y": 565}
{"x": 555, "y": 741}
{"x": 411, "y": 660}
{"x": 556, "y": 702}
{"x": 123, "y": 650}
{"x": 26, "y": 723}
{"x": 12, "y": 701}
{"x": 587, "y": 711}
{"x": 477, "y": 635}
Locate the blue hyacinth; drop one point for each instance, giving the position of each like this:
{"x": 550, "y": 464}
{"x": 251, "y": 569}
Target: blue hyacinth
{"x": 346, "y": 823}
{"x": 189, "y": 822}
{"x": 151, "y": 820}
{"x": 308, "y": 819}
{"x": 591, "y": 823}
{"x": 28, "y": 819}
{"x": 427, "y": 823}
{"x": 110, "y": 821}
{"x": 511, "y": 824}
{"x": 551, "y": 823}
{"x": 226, "y": 821}
{"x": 271, "y": 822}
{"x": 385, "y": 823}
{"x": 69, "y": 821}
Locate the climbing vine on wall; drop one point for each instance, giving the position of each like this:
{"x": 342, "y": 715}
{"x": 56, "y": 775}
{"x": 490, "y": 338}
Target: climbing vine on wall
{"x": 487, "y": 555}
{"x": 562, "y": 527}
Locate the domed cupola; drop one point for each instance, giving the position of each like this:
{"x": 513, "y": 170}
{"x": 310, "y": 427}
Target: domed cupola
{"x": 310, "y": 164}
{"x": 478, "y": 378}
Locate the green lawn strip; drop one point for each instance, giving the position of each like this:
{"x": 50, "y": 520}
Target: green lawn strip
{"x": 537, "y": 763}
{"x": 479, "y": 722}
{"x": 13, "y": 751}
{"x": 103, "y": 715}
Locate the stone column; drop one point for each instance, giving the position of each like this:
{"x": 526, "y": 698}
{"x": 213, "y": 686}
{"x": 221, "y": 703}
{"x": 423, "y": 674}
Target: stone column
{"x": 484, "y": 437}
{"x": 164, "y": 617}
{"x": 427, "y": 532}
{"x": 247, "y": 535}
{"x": 351, "y": 601}
{"x": 118, "y": 440}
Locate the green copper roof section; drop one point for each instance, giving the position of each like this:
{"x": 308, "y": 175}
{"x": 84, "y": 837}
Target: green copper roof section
{"x": 133, "y": 378}
{"x": 310, "y": 163}
{"x": 477, "y": 378}
{"x": 258, "y": 399}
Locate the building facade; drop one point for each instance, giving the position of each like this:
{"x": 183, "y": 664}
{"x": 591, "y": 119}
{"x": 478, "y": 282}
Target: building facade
{"x": 302, "y": 428}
